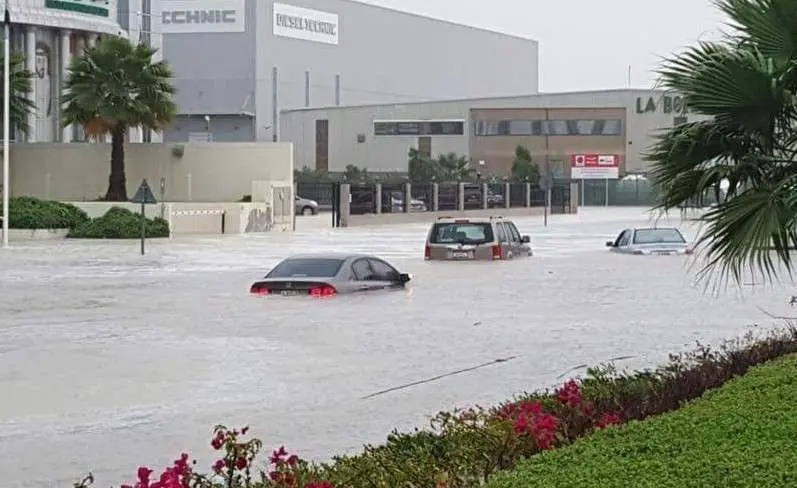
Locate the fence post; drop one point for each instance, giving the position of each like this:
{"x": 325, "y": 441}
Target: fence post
{"x": 407, "y": 197}
{"x": 528, "y": 195}
{"x": 378, "y": 198}
{"x": 485, "y": 193}
{"x": 435, "y": 197}
{"x": 507, "y": 194}
{"x": 344, "y": 208}
{"x": 461, "y": 196}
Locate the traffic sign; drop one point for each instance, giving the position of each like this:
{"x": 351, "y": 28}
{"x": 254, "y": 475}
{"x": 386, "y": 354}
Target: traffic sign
{"x": 144, "y": 194}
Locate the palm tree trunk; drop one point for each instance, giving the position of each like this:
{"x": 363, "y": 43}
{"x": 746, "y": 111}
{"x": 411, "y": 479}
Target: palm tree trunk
{"x": 117, "y": 181}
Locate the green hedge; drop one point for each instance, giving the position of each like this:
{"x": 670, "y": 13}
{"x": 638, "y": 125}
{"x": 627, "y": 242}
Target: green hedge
{"x": 119, "y": 223}
{"x": 743, "y": 434}
{"x": 32, "y": 213}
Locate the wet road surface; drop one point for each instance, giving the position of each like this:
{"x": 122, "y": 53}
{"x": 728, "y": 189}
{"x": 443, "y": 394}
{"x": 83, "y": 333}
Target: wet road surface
{"x": 109, "y": 360}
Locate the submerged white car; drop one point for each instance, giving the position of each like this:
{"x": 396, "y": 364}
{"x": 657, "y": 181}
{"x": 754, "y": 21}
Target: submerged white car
{"x": 660, "y": 241}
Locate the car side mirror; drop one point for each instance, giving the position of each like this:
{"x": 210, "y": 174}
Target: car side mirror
{"x": 609, "y": 243}
{"x": 525, "y": 239}
{"x": 405, "y": 277}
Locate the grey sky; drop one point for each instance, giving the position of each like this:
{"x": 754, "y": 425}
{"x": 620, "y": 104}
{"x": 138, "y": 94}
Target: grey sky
{"x": 585, "y": 44}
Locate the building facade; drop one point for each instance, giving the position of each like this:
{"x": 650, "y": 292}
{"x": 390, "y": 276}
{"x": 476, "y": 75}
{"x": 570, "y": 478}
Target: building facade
{"x": 48, "y": 33}
{"x": 238, "y": 63}
{"x": 554, "y": 127}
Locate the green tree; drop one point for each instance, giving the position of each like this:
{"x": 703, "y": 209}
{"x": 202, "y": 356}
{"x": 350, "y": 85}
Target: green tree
{"x": 746, "y": 85}
{"x": 454, "y": 167}
{"x": 420, "y": 168}
{"x": 307, "y": 175}
{"x": 112, "y": 87}
{"x": 524, "y": 168}
{"x": 19, "y": 88}
{"x": 355, "y": 173}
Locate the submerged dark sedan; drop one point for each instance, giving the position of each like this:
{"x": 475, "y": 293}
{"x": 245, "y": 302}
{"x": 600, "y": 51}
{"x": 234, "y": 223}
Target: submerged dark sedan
{"x": 326, "y": 275}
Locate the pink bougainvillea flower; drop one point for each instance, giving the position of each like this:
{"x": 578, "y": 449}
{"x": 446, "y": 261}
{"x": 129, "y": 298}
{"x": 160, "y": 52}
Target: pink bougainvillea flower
{"x": 293, "y": 460}
{"x": 608, "y": 419}
{"x": 278, "y": 455}
{"x": 570, "y": 394}
{"x": 218, "y": 466}
{"x": 241, "y": 463}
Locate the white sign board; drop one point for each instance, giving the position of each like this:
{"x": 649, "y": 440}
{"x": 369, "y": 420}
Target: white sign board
{"x": 201, "y": 16}
{"x": 89, "y": 7}
{"x": 594, "y": 166}
{"x": 305, "y": 24}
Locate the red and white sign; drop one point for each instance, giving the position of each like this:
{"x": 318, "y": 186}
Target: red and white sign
{"x": 595, "y": 166}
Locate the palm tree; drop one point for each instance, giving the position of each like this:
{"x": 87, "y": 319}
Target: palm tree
{"x": 21, "y": 82}
{"x": 746, "y": 85}
{"x": 112, "y": 87}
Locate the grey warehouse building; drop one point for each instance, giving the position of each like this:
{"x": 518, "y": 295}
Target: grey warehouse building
{"x": 238, "y": 63}
{"x": 557, "y": 128}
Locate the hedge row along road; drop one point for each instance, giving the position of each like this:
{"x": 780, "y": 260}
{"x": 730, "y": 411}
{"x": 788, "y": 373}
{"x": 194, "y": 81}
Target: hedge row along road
{"x": 743, "y": 435}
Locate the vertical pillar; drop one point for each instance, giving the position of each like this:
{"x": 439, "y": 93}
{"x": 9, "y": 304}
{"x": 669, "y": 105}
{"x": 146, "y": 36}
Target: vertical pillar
{"x": 407, "y": 197}
{"x": 30, "y": 67}
{"x": 435, "y": 197}
{"x": 507, "y": 194}
{"x": 307, "y": 89}
{"x": 528, "y": 195}
{"x": 485, "y": 194}
{"x": 66, "y": 59}
{"x": 344, "y": 207}
{"x": 378, "y": 198}
{"x": 461, "y": 197}
{"x": 337, "y": 90}
{"x": 274, "y": 104}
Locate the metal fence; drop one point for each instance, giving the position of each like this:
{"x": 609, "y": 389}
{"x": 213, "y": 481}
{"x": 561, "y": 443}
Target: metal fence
{"x": 638, "y": 192}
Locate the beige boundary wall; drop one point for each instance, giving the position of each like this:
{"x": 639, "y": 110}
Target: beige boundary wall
{"x": 176, "y": 172}
{"x": 418, "y": 217}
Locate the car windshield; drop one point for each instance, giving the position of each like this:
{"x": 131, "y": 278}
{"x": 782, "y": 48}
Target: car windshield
{"x": 658, "y": 236}
{"x": 306, "y": 268}
{"x": 466, "y": 233}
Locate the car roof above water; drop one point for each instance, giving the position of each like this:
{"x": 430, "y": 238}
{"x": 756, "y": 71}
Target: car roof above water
{"x": 329, "y": 255}
{"x": 474, "y": 220}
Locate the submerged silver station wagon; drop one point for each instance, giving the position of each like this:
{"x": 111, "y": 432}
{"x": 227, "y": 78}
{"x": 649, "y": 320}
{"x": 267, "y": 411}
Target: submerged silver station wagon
{"x": 468, "y": 239}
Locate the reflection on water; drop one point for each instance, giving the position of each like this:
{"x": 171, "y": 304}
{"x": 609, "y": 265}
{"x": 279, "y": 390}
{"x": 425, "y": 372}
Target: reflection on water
{"x": 109, "y": 360}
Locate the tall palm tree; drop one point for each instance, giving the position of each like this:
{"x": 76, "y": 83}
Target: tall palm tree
{"x": 747, "y": 86}
{"x": 112, "y": 87}
{"x": 21, "y": 82}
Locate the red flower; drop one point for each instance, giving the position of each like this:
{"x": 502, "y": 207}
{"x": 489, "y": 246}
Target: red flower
{"x": 608, "y": 419}
{"x": 569, "y": 394}
{"x": 278, "y": 455}
{"x": 217, "y": 441}
{"x": 143, "y": 475}
{"x": 293, "y": 460}
{"x": 218, "y": 466}
{"x": 241, "y": 463}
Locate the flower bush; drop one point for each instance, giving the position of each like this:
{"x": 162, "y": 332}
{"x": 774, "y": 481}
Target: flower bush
{"x": 464, "y": 448}
{"x": 237, "y": 467}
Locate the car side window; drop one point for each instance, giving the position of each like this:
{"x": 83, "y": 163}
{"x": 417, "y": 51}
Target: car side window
{"x": 514, "y": 231}
{"x": 501, "y": 232}
{"x": 625, "y": 238}
{"x": 362, "y": 270}
{"x": 383, "y": 271}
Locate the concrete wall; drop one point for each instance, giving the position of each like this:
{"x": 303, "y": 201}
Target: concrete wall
{"x": 390, "y": 153}
{"x": 206, "y": 172}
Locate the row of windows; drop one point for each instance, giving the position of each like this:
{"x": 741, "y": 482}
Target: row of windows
{"x": 420, "y": 128}
{"x": 576, "y": 127}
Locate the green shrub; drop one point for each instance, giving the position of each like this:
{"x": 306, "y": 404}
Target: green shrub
{"x": 119, "y": 223}
{"x": 740, "y": 435}
{"x": 32, "y": 213}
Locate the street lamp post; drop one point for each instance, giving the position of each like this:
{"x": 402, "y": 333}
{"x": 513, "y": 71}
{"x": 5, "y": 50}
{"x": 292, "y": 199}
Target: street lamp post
{"x": 6, "y": 118}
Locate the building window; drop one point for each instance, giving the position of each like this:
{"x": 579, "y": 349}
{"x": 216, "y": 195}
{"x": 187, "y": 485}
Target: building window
{"x": 419, "y": 128}
{"x": 564, "y": 127}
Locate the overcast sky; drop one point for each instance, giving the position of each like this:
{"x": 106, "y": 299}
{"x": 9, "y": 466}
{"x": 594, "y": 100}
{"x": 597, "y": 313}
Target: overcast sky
{"x": 586, "y": 44}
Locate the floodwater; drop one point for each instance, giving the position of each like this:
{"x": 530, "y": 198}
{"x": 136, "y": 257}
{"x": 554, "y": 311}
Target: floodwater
{"x": 109, "y": 360}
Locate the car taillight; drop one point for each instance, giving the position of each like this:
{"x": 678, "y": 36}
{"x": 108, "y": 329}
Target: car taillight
{"x": 257, "y": 290}
{"x": 427, "y": 252}
{"x": 497, "y": 254}
{"x": 323, "y": 291}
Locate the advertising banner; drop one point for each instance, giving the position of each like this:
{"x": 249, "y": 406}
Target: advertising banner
{"x": 595, "y": 166}
{"x": 305, "y": 24}
{"x": 202, "y": 16}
